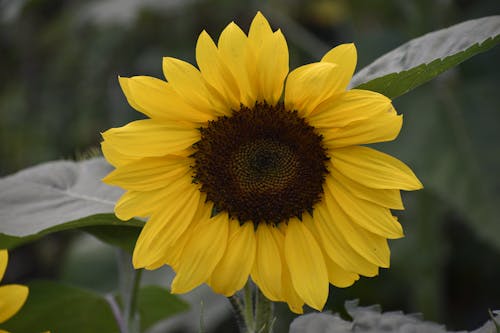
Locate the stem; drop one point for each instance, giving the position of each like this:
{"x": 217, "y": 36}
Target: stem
{"x": 254, "y": 312}
{"x": 494, "y": 320}
{"x": 133, "y": 315}
{"x": 239, "y": 313}
{"x": 263, "y": 313}
{"x": 130, "y": 280}
{"x": 115, "y": 308}
{"x": 249, "y": 307}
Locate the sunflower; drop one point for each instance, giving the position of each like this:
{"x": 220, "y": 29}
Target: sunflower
{"x": 244, "y": 169}
{"x": 12, "y": 296}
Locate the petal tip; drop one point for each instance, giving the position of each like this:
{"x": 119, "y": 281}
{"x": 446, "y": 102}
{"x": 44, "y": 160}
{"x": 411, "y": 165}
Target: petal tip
{"x": 122, "y": 80}
{"x": 180, "y": 287}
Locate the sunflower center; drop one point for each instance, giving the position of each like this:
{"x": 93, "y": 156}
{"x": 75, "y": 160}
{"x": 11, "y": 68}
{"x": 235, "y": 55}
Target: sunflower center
{"x": 262, "y": 164}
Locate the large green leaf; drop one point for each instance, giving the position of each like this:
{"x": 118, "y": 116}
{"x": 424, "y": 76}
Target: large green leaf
{"x": 67, "y": 309}
{"x": 106, "y": 227}
{"x": 57, "y": 196}
{"x": 423, "y": 58}
{"x": 122, "y": 235}
{"x": 62, "y": 308}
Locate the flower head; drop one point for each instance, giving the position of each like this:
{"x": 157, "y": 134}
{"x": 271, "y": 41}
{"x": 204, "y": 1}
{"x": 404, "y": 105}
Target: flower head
{"x": 12, "y": 296}
{"x": 245, "y": 169}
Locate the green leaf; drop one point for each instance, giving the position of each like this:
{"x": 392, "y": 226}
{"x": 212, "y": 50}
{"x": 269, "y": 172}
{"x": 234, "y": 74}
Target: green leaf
{"x": 424, "y": 58}
{"x": 156, "y": 303}
{"x": 122, "y": 236}
{"x": 106, "y": 227}
{"x": 62, "y": 308}
{"x": 58, "y": 196}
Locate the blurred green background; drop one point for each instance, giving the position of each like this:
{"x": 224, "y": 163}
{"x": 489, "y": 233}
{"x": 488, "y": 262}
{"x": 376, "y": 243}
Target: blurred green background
{"x": 58, "y": 90}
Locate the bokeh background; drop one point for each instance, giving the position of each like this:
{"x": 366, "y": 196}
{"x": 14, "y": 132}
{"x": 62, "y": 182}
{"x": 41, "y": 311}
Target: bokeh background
{"x": 59, "y": 62}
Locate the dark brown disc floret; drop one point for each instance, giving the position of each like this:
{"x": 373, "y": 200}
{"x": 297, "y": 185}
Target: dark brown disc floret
{"x": 262, "y": 164}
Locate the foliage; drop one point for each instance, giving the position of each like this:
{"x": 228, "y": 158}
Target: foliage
{"x": 63, "y": 308}
{"x": 423, "y": 58}
{"x": 371, "y": 319}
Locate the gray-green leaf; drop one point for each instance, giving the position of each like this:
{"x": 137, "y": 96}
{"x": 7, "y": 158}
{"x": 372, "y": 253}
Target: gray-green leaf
{"x": 423, "y": 58}
{"x": 370, "y": 319}
{"x": 57, "y": 196}
{"x": 54, "y": 193}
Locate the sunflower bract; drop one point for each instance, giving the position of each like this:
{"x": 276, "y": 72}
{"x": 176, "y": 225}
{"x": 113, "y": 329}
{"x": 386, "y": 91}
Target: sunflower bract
{"x": 246, "y": 170}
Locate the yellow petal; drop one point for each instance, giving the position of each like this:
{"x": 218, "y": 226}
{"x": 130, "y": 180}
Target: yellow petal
{"x": 365, "y": 214}
{"x": 350, "y": 106}
{"x": 149, "y": 173}
{"x": 215, "y": 71}
{"x": 143, "y": 138}
{"x": 272, "y": 68}
{"x": 337, "y": 248}
{"x": 290, "y": 296}
{"x": 171, "y": 256}
{"x": 267, "y": 61}
{"x": 266, "y": 271}
{"x": 388, "y": 198}
{"x": 4, "y": 259}
{"x": 201, "y": 254}
{"x": 166, "y": 225}
{"x": 370, "y": 246}
{"x": 259, "y": 30}
{"x": 139, "y": 203}
{"x": 12, "y": 298}
{"x": 156, "y": 99}
{"x": 187, "y": 81}
{"x": 374, "y": 169}
{"x": 345, "y": 56}
{"x": 114, "y": 157}
{"x": 123, "y": 81}
{"x": 309, "y": 85}
{"x": 232, "y": 271}
{"x": 383, "y": 128}
{"x": 233, "y": 50}
{"x": 306, "y": 264}
{"x": 288, "y": 292}
{"x": 337, "y": 276}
